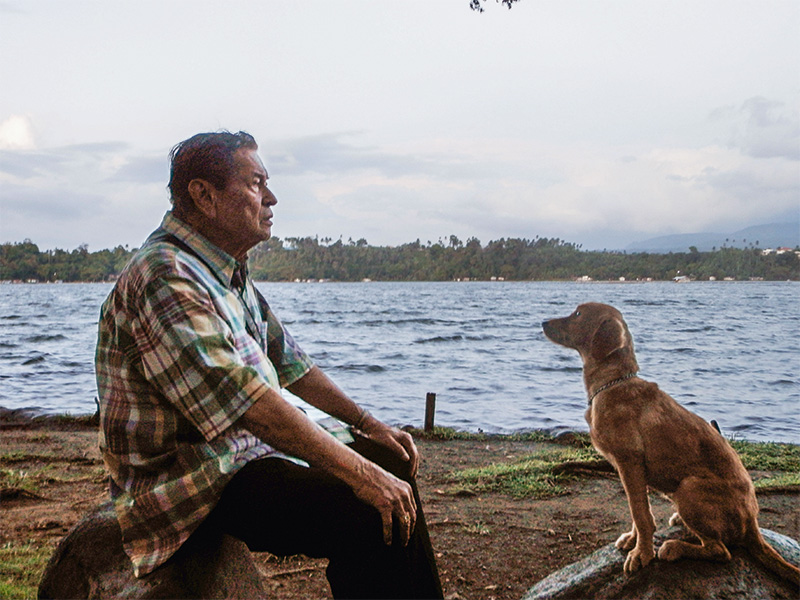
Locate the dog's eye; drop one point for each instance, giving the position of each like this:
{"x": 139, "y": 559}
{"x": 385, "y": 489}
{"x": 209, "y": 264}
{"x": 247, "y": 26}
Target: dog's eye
{"x": 577, "y": 313}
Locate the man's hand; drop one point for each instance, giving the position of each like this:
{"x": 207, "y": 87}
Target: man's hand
{"x": 392, "y": 497}
{"x": 286, "y": 428}
{"x": 399, "y": 442}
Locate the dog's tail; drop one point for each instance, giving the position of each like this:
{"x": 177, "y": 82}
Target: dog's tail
{"x": 769, "y": 557}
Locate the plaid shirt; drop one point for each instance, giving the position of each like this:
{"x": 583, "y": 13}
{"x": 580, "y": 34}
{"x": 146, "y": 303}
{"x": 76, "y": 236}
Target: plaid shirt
{"x": 180, "y": 358}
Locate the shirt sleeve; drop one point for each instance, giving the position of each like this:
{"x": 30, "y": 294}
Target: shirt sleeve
{"x": 189, "y": 354}
{"x": 285, "y": 354}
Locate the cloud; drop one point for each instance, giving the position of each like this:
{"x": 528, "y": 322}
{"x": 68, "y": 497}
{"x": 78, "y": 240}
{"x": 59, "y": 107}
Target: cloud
{"x": 600, "y": 195}
{"x": 144, "y": 169}
{"x": 588, "y": 194}
{"x": 97, "y": 193}
{"x": 762, "y": 128}
{"x": 332, "y": 154}
{"x": 16, "y": 133}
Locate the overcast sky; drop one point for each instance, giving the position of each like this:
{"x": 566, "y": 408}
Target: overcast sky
{"x": 598, "y": 122}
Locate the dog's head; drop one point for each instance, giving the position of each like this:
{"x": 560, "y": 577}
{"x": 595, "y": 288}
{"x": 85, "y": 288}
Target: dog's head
{"x": 595, "y": 330}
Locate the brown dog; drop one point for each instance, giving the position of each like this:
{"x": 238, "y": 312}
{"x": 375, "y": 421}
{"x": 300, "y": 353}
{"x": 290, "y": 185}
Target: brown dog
{"x": 653, "y": 441}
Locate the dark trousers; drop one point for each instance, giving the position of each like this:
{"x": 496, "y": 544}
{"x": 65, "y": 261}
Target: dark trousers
{"x": 276, "y": 506}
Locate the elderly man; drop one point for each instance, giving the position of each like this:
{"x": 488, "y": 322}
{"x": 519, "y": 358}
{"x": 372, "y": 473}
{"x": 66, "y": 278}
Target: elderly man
{"x": 194, "y": 430}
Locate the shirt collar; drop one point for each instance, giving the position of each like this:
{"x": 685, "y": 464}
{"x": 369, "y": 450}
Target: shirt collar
{"x": 222, "y": 264}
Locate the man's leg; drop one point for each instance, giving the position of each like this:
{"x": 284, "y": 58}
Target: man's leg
{"x": 276, "y": 506}
{"x": 420, "y": 550}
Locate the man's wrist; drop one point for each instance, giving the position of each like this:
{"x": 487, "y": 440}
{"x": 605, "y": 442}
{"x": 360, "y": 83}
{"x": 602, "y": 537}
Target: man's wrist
{"x": 363, "y": 417}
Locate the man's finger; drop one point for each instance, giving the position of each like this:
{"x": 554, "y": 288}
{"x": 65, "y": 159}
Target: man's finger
{"x": 411, "y": 449}
{"x": 387, "y": 528}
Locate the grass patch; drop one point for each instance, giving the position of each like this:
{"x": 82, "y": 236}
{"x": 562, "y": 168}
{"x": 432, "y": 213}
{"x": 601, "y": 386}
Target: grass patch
{"x": 18, "y": 479}
{"x": 777, "y": 483}
{"x": 10, "y": 458}
{"x": 446, "y": 434}
{"x": 533, "y": 476}
{"x": 540, "y": 475}
{"x": 768, "y": 456}
{"x": 21, "y": 568}
{"x": 17, "y": 456}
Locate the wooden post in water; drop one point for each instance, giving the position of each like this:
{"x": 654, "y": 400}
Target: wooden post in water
{"x": 430, "y": 409}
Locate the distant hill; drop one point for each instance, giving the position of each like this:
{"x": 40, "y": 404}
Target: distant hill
{"x": 773, "y": 235}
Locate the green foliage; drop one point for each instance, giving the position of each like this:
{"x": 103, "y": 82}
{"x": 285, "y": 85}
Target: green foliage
{"x": 538, "y": 259}
{"x": 24, "y": 262}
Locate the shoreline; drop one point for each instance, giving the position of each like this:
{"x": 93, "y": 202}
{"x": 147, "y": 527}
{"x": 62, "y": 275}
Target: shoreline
{"x": 20, "y": 418}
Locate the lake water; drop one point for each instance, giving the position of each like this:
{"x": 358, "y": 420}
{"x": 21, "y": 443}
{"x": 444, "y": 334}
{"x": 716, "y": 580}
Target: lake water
{"x": 729, "y": 351}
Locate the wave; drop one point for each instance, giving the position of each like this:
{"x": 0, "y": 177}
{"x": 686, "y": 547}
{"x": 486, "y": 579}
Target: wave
{"x": 360, "y": 367}
{"x": 641, "y": 302}
{"x": 36, "y": 339}
{"x": 698, "y": 329}
{"x": 782, "y": 382}
{"x": 440, "y": 339}
{"x": 416, "y": 321}
{"x": 35, "y": 360}
{"x": 561, "y": 369}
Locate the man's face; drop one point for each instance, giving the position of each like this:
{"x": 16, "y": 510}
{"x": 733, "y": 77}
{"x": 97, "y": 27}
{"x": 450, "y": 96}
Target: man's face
{"x": 244, "y": 206}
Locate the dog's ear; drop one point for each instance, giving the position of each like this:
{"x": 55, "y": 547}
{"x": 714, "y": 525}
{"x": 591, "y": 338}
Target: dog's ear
{"x": 612, "y": 335}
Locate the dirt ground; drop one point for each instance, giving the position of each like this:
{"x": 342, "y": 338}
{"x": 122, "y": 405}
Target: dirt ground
{"x": 487, "y": 545}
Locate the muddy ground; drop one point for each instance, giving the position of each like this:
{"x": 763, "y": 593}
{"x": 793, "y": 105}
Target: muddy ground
{"x": 488, "y": 545}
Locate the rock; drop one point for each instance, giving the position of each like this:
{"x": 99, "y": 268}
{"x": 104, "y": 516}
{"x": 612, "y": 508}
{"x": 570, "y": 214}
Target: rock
{"x": 90, "y": 563}
{"x": 600, "y": 575}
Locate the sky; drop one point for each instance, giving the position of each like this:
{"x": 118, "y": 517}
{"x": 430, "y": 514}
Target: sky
{"x": 599, "y": 123}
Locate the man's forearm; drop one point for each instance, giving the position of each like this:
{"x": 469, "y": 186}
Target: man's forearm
{"x": 316, "y": 388}
{"x": 286, "y": 428}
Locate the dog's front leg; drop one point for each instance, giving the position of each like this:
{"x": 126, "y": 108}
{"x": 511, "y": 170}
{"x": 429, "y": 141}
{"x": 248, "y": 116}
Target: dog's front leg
{"x": 641, "y": 535}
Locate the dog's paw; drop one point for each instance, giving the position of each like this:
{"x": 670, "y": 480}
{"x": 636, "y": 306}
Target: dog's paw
{"x": 638, "y": 559}
{"x": 670, "y": 550}
{"x": 675, "y": 519}
{"x": 626, "y": 541}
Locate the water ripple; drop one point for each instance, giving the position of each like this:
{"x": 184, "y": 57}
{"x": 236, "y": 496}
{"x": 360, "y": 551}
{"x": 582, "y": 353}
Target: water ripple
{"x": 729, "y": 352}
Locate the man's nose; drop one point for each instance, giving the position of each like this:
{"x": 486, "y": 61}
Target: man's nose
{"x": 268, "y": 197}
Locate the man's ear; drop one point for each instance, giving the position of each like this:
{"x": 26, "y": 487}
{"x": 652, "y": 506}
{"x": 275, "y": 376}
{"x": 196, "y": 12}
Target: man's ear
{"x": 204, "y": 197}
{"x": 612, "y": 335}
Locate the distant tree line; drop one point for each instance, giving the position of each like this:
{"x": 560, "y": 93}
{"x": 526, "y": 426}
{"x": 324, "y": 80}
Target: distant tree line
{"x": 24, "y": 261}
{"x": 539, "y": 259}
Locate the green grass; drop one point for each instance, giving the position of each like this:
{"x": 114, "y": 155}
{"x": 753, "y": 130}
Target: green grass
{"x": 532, "y": 476}
{"x": 446, "y": 434}
{"x": 10, "y": 458}
{"x": 537, "y": 475}
{"x": 768, "y": 456}
{"x": 18, "y": 479}
{"x": 777, "y": 482}
{"x": 21, "y": 568}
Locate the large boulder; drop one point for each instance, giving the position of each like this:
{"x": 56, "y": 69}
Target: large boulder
{"x": 600, "y": 575}
{"x": 90, "y": 563}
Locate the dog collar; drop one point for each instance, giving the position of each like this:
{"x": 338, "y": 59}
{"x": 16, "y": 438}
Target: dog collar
{"x": 610, "y": 384}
